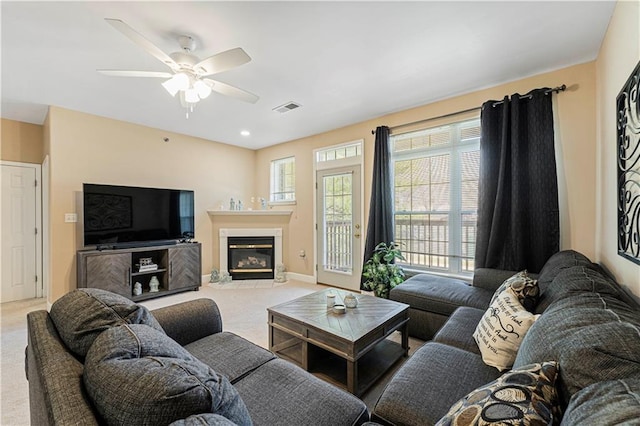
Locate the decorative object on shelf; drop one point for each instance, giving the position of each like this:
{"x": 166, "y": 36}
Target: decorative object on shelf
{"x": 137, "y": 289}
{"x": 145, "y": 264}
{"x": 350, "y": 301}
{"x": 281, "y": 275}
{"x": 628, "y": 165}
{"x": 232, "y": 204}
{"x": 380, "y": 272}
{"x": 225, "y": 278}
{"x": 154, "y": 284}
{"x": 263, "y": 203}
{"x": 215, "y": 276}
{"x": 239, "y": 204}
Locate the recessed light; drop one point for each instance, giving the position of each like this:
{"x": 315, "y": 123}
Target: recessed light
{"x": 245, "y": 133}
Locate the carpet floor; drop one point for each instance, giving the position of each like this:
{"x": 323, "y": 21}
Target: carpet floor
{"x": 243, "y": 307}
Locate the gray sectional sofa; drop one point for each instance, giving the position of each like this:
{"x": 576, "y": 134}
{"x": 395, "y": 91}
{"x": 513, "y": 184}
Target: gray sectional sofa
{"x": 589, "y": 326}
{"x": 89, "y": 361}
{"x": 585, "y": 347}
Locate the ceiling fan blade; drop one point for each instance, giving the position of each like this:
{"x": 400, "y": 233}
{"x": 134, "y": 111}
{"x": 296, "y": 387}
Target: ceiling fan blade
{"x": 123, "y": 73}
{"x": 222, "y": 61}
{"x": 141, "y": 41}
{"x": 231, "y": 91}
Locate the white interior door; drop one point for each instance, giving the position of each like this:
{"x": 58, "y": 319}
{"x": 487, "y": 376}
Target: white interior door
{"x": 339, "y": 228}
{"x": 19, "y": 233}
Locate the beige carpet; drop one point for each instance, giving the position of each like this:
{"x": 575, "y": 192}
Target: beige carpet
{"x": 244, "y": 311}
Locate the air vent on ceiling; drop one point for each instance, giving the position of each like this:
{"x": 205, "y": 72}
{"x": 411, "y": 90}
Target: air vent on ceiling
{"x": 287, "y": 107}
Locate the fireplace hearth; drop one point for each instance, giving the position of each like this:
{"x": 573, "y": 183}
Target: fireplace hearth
{"x": 250, "y": 257}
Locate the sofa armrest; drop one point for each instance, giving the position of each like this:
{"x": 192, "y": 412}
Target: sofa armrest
{"x": 190, "y": 321}
{"x": 56, "y": 390}
{"x": 490, "y": 279}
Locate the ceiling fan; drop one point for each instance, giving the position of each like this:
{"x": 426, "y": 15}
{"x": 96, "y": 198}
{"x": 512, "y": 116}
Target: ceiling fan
{"x": 187, "y": 76}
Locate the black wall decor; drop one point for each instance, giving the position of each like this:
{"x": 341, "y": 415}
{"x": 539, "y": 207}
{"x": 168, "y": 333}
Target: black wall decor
{"x": 628, "y": 147}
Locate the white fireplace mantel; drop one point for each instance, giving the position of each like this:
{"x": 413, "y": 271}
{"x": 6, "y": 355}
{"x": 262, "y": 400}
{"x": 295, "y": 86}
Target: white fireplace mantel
{"x": 250, "y": 212}
{"x": 224, "y": 233}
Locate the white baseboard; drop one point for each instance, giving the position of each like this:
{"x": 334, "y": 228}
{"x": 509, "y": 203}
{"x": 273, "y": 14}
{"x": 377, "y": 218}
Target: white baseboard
{"x": 301, "y": 277}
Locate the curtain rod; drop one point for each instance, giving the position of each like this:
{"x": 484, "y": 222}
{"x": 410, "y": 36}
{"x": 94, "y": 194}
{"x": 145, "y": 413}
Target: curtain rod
{"x": 555, "y": 89}
{"x": 546, "y": 92}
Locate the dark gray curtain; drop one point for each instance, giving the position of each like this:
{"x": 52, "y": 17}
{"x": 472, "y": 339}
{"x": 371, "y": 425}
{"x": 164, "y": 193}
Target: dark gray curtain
{"x": 380, "y": 226}
{"x": 518, "y": 218}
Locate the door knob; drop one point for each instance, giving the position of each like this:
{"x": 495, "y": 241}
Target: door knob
{"x": 357, "y": 235}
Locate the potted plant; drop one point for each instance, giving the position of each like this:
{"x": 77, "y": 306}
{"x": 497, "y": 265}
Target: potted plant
{"x": 380, "y": 271}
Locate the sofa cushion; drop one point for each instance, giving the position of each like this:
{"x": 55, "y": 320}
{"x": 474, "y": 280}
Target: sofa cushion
{"x": 439, "y": 294}
{"x": 523, "y": 396}
{"x": 577, "y": 280}
{"x": 135, "y": 374}
{"x": 556, "y": 263}
{"x": 205, "y": 419}
{"x": 81, "y": 315}
{"x": 279, "y": 393}
{"x": 229, "y": 354}
{"x": 416, "y": 395}
{"x": 525, "y": 287}
{"x": 613, "y": 402}
{"x": 457, "y": 331}
{"x": 591, "y": 343}
{"x": 502, "y": 329}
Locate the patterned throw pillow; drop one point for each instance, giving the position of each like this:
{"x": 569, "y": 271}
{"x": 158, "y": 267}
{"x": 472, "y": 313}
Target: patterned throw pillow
{"x": 523, "y": 396}
{"x": 525, "y": 287}
{"x": 501, "y": 330}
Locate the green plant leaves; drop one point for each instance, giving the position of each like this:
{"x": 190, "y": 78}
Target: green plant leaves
{"x": 381, "y": 272}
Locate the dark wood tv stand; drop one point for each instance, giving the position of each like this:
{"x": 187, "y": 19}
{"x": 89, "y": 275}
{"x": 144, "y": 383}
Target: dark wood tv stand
{"x": 179, "y": 268}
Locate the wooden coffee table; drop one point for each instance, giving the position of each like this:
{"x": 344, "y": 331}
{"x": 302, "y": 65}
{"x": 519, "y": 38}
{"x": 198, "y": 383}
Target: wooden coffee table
{"x": 350, "y": 349}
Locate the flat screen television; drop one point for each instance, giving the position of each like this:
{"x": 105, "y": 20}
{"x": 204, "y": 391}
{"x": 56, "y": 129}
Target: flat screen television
{"x": 126, "y": 216}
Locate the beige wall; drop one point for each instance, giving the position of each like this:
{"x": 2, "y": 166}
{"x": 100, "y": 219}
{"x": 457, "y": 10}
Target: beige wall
{"x": 21, "y": 142}
{"x": 87, "y": 148}
{"x": 619, "y": 54}
{"x": 576, "y": 129}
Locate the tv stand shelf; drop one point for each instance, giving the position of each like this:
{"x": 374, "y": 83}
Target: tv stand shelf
{"x": 179, "y": 269}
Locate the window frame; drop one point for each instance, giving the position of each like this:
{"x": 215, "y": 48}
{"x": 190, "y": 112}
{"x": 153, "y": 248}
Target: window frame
{"x": 455, "y": 149}
{"x": 277, "y": 183}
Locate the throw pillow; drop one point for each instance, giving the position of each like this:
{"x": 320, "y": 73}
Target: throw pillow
{"x": 523, "y": 396}
{"x": 525, "y": 287}
{"x": 501, "y": 330}
{"x": 137, "y": 375}
{"x": 81, "y": 315}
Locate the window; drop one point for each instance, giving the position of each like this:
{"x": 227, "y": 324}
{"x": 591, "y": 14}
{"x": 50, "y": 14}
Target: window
{"x": 283, "y": 180}
{"x": 435, "y": 182}
{"x": 351, "y": 150}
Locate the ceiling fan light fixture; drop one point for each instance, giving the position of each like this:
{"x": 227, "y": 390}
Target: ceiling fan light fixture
{"x": 202, "y": 88}
{"x": 178, "y": 82}
{"x": 191, "y": 95}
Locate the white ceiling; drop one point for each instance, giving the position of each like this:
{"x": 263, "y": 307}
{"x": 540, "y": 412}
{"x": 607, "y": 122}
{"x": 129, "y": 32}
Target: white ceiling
{"x": 345, "y": 62}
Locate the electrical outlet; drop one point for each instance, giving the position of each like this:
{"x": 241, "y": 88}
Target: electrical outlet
{"x": 70, "y": 217}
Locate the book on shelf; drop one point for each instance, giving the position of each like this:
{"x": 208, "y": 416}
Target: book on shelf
{"x": 147, "y": 268}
